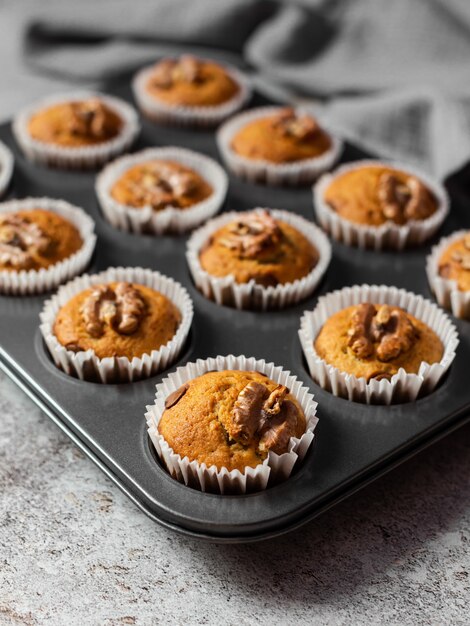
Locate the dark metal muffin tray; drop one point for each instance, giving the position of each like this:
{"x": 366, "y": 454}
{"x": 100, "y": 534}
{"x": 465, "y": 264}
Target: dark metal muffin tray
{"x": 354, "y": 443}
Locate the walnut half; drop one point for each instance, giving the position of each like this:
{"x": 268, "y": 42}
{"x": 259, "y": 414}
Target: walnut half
{"x": 403, "y": 201}
{"x": 21, "y": 240}
{"x": 259, "y": 412}
{"x": 384, "y": 330}
{"x": 121, "y": 307}
{"x": 252, "y": 233}
{"x": 301, "y": 127}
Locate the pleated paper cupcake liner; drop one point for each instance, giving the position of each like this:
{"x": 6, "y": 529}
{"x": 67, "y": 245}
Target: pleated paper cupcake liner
{"x": 83, "y": 157}
{"x": 38, "y": 281}
{"x": 273, "y": 469}
{"x": 195, "y": 116}
{"x": 86, "y": 365}
{"x": 225, "y": 290}
{"x": 171, "y": 219}
{"x": 403, "y": 387}
{"x": 388, "y": 235}
{"x": 258, "y": 171}
{"x": 446, "y": 291}
{"x": 6, "y": 167}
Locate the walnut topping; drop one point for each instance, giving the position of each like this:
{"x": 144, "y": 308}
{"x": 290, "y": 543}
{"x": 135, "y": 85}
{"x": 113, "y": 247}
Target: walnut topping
{"x": 252, "y": 233}
{"x": 88, "y": 118}
{"x": 163, "y": 186}
{"x": 301, "y": 127}
{"x": 21, "y": 240}
{"x": 121, "y": 307}
{"x": 386, "y": 330}
{"x": 259, "y": 412}
{"x": 176, "y": 396}
{"x": 186, "y": 69}
{"x": 400, "y": 201}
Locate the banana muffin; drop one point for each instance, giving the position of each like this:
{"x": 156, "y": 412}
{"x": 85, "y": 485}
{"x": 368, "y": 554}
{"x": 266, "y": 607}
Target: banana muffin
{"x": 258, "y": 247}
{"x": 189, "y": 81}
{"x": 231, "y": 419}
{"x": 285, "y": 136}
{"x": 454, "y": 263}
{"x": 372, "y": 195}
{"x": 36, "y": 238}
{"x": 117, "y": 319}
{"x": 75, "y": 124}
{"x": 376, "y": 340}
{"x": 160, "y": 184}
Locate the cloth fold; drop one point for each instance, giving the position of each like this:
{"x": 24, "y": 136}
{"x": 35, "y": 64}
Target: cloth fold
{"x": 392, "y": 77}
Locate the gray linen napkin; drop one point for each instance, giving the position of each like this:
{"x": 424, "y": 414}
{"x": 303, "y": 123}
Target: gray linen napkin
{"x": 392, "y": 76}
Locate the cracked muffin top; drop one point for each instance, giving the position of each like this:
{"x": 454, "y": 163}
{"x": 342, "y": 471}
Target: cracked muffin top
{"x": 189, "y": 81}
{"x": 454, "y": 263}
{"x": 36, "y": 238}
{"x": 75, "y": 124}
{"x": 117, "y": 319}
{"x": 231, "y": 419}
{"x": 282, "y": 137}
{"x": 376, "y": 340}
{"x": 160, "y": 184}
{"x": 258, "y": 247}
{"x": 373, "y": 195}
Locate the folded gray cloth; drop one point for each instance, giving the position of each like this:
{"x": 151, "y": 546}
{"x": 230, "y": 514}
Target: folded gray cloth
{"x": 392, "y": 76}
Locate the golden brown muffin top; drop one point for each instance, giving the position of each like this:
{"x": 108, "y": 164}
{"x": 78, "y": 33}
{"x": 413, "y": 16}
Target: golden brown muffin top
{"x": 375, "y": 195}
{"x": 117, "y": 319}
{"x": 160, "y": 184}
{"x": 189, "y": 81}
{"x": 282, "y": 137}
{"x": 376, "y": 340}
{"x": 257, "y": 246}
{"x": 231, "y": 419}
{"x": 35, "y": 238}
{"x": 76, "y": 123}
{"x": 454, "y": 263}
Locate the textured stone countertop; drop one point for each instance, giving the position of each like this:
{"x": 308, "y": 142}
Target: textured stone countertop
{"x": 74, "y": 550}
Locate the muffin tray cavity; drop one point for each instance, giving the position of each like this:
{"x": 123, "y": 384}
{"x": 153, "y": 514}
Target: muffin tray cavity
{"x": 354, "y": 443}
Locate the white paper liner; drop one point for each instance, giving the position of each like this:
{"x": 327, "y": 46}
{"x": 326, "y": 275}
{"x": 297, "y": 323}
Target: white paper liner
{"x": 447, "y": 291}
{"x": 388, "y": 235}
{"x": 6, "y": 167}
{"x": 198, "y": 116}
{"x": 83, "y": 157}
{"x": 259, "y": 171}
{"x": 403, "y": 387}
{"x": 86, "y": 365}
{"x": 274, "y": 468}
{"x": 171, "y": 219}
{"x": 37, "y": 281}
{"x": 225, "y": 290}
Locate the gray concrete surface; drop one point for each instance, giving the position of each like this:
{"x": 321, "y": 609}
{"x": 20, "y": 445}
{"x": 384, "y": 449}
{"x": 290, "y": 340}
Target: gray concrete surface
{"x": 74, "y": 550}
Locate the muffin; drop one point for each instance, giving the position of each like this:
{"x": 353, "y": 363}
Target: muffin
{"x": 448, "y": 270}
{"x": 376, "y": 340}
{"x": 76, "y": 131}
{"x": 122, "y": 324}
{"x": 230, "y": 424}
{"x": 189, "y": 90}
{"x": 43, "y": 242}
{"x": 117, "y": 319}
{"x": 375, "y": 204}
{"x": 6, "y": 167}
{"x": 377, "y": 344}
{"x": 454, "y": 263}
{"x": 161, "y": 190}
{"x": 231, "y": 419}
{"x": 258, "y": 258}
{"x": 277, "y": 145}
